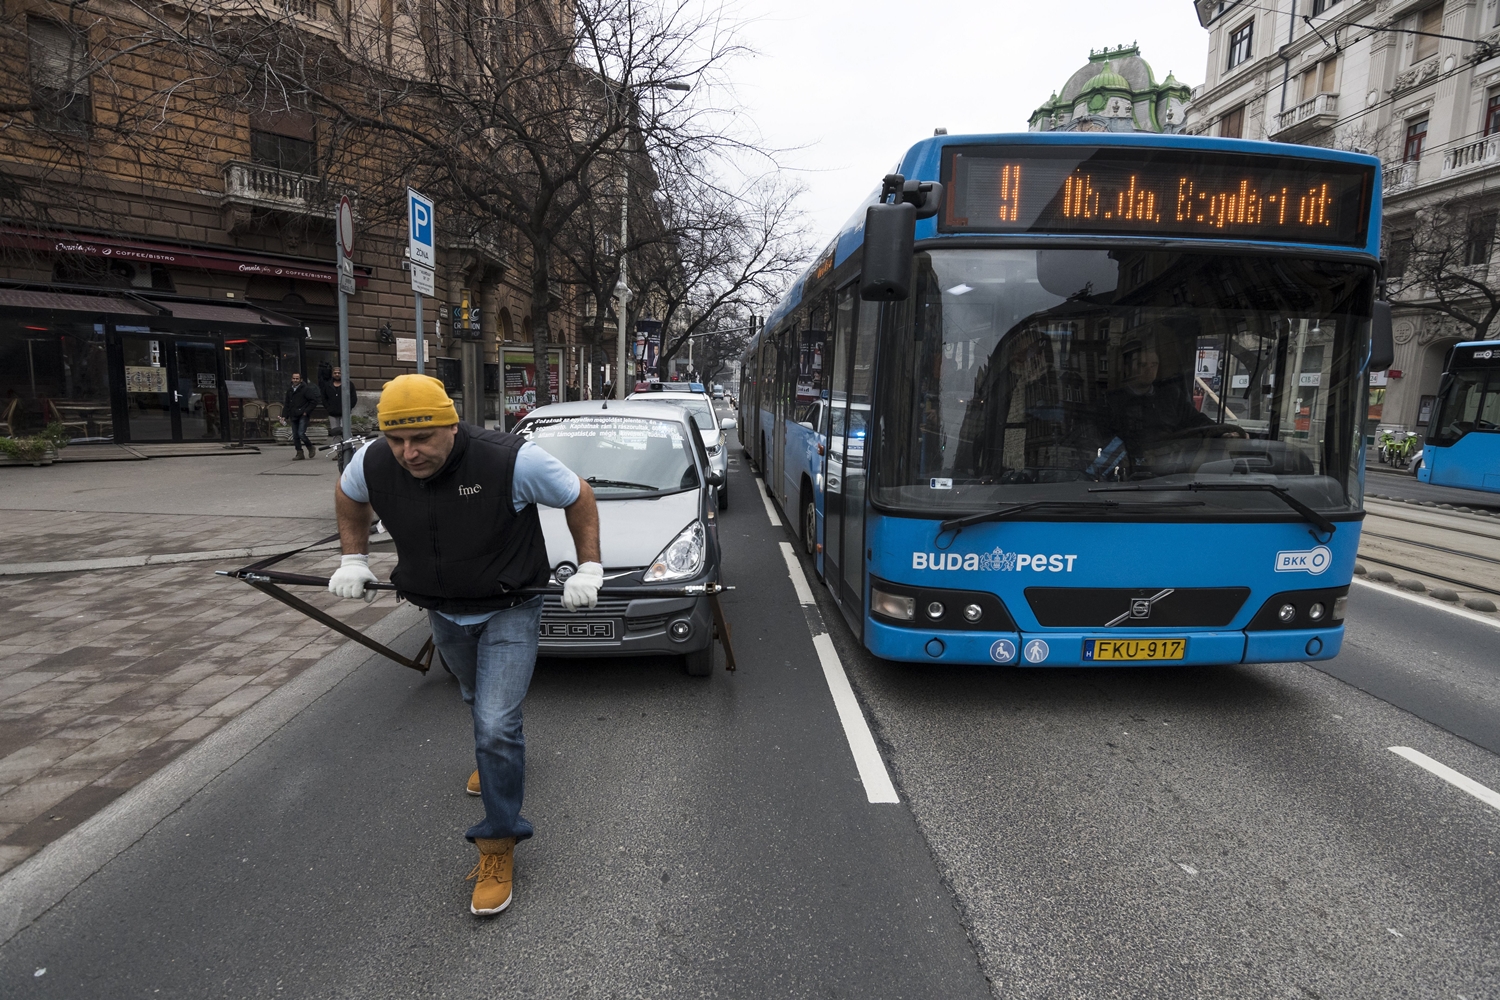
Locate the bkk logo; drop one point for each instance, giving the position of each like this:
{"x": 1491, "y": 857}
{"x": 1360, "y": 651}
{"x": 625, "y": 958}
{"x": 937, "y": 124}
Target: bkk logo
{"x": 995, "y": 560}
{"x": 1314, "y": 560}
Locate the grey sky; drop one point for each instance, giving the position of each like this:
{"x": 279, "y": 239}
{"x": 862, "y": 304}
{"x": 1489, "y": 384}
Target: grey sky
{"x": 854, "y": 82}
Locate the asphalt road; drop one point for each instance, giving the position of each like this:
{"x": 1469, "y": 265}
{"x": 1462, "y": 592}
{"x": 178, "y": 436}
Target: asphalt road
{"x": 1230, "y": 832}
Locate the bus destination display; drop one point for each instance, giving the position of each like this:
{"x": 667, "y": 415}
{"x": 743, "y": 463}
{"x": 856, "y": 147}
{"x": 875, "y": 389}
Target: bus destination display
{"x": 1154, "y": 192}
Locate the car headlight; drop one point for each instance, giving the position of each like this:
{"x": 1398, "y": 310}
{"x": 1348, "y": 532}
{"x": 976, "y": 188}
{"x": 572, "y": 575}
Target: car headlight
{"x": 683, "y": 557}
{"x": 713, "y": 451}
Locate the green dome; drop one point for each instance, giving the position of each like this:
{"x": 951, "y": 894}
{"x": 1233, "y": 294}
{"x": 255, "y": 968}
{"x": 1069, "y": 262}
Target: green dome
{"x": 1108, "y": 79}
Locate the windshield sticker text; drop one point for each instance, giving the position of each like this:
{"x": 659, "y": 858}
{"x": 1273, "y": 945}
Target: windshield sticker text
{"x": 995, "y": 560}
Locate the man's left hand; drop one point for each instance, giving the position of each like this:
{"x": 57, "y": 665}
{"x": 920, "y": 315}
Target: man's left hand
{"x": 582, "y": 588}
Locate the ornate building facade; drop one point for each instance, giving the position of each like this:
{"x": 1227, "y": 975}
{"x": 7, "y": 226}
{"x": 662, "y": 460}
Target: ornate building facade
{"x": 1115, "y": 91}
{"x": 1414, "y": 82}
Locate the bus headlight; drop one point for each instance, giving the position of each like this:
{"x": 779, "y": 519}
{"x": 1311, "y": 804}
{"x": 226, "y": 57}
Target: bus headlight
{"x": 683, "y": 557}
{"x": 893, "y": 605}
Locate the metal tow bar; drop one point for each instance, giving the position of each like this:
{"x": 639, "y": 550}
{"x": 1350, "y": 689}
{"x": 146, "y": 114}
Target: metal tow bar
{"x": 269, "y": 581}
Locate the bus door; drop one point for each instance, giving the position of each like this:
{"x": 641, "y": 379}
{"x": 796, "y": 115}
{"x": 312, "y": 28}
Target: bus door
{"x": 857, "y": 424}
{"x": 786, "y": 391}
{"x": 837, "y": 424}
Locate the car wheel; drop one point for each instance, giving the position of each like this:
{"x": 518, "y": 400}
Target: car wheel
{"x": 723, "y": 497}
{"x": 809, "y": 525}
{"x": 701, "y": 663}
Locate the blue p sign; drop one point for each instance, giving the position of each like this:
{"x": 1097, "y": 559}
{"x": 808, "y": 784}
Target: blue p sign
{"x": 420, "y": 217}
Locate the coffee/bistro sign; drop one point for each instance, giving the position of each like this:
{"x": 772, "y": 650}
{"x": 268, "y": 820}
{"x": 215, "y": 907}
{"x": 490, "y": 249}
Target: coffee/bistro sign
{"x": 145, "y": 378}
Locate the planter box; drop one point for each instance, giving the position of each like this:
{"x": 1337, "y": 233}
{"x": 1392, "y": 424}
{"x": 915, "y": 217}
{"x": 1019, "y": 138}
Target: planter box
{"x": 48, "y": 457}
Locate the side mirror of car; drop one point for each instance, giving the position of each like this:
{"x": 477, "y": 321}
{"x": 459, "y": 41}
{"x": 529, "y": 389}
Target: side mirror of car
{"x": 728, "y": 424}
{"x": 714, "y": 479}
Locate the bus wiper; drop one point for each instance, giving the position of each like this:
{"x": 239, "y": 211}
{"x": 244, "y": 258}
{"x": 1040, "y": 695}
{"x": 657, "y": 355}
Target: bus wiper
{"x": 1091, "y": 506}
{"x": 620, "y": 484}
{"x": 1309, "y": 515}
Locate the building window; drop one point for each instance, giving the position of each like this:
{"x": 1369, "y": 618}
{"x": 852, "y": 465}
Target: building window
{"x": 1239, "y": 43}
{"x": 1416, "y": 138}
{"x": 299, "y": 156}
{"x": 1319, "y": 6}
{"x": 1492, "y": 113}
{"x": 1320, "y": 79}
{"x": 1480, "y": 239}
{"x": 59, "y": 76}
{"x": 1232, "y": 125}
{"x": 1399, "y": 255}
{"x": 1430, "y": 22}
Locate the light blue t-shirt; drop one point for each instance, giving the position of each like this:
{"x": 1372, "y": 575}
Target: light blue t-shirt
{"x": 537, "y": 478}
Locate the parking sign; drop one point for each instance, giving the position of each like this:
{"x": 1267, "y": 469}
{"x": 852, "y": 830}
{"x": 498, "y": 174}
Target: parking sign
{"x": 421, "y": 224}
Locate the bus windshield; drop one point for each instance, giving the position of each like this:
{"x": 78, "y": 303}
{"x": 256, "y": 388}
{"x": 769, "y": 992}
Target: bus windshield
{"x": 1017, "y": 375}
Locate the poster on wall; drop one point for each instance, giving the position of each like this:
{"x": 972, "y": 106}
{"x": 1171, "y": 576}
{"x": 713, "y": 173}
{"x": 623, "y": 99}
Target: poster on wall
{"x": 145, "y": 378}
{"x": 520, "y": 383}
{"x": 1424, "y": 409}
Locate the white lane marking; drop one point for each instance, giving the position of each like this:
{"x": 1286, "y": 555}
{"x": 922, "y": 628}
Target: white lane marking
{"x": 1488, "y": 796}
{"x": 765, "y": 498}
{"x": 872, "y": 772}
{"x": 1472, "y": 616}
{"x": 799, "y": 578}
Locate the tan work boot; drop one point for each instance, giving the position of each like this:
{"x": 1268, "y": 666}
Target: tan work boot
{"x": 492, "y": 891}
{"x": 473, "y": 788}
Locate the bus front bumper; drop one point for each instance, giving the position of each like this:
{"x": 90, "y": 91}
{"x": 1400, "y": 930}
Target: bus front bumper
{"x": 1067, "y": 649}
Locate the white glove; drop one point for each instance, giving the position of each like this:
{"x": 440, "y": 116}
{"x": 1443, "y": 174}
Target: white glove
{"x": 353, "y": 573}
{"x": 582, "y": 588}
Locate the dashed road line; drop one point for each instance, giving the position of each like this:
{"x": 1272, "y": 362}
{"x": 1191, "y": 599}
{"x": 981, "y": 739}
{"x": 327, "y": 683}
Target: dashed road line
{"x": 872, "y": 770}
{"x": 1463, "y": 782}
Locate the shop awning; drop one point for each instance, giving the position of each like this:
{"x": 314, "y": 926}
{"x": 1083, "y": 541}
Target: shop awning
{"x": 25, "y": 298}
{"x": 214, "y": 312}
{"x": 169, "y": 255}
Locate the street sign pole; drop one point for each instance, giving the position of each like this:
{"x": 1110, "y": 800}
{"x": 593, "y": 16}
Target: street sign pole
{"x": 345, "y": 267}
{"x": 421, "y": 347}
{"x": 421, "y": 221}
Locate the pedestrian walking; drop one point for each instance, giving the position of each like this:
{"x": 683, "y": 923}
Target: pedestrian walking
{"x": 333, "y": 402}
{"x": 296, "y": 409}
{"x": 461, "y": 505}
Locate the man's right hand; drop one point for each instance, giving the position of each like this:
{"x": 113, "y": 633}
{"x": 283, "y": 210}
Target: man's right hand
{"x": 352, "y": 575}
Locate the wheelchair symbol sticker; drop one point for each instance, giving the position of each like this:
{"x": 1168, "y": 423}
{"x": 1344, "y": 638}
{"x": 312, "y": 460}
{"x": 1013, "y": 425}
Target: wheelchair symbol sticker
{"x": 1036, "y": 651}
{"x": 1003, "y": 651}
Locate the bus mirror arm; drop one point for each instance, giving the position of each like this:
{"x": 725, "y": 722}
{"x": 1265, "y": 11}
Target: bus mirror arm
{"x": 1382, "y": 342}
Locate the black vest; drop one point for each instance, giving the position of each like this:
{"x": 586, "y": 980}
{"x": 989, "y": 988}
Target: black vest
{"x": 460, "y": 544}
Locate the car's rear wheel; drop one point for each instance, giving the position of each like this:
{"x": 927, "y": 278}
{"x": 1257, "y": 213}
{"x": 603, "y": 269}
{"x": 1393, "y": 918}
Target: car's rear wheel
{"x": 701, "y": 663}
{"x": 723, "y": 497}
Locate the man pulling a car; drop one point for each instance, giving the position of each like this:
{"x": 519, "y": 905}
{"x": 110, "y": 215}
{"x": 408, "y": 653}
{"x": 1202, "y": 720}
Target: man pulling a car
{"x": 460, "y": 504}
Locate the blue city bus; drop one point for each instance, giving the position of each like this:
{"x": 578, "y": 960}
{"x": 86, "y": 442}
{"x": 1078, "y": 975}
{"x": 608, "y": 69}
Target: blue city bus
{"x": 1463, "y": 436}
{"x": 1063, "y": 399}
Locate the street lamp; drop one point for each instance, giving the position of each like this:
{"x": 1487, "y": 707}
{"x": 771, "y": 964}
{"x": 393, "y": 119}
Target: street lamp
{"x": 622, "y": 289}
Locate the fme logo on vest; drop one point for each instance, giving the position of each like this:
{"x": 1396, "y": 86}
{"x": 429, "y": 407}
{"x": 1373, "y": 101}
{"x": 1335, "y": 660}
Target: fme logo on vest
{"x": 468, "y": 491}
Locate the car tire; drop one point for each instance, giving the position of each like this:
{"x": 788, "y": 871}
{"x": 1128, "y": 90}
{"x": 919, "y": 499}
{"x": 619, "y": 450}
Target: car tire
{"x": 723, "y": 497}
{"x": 701, "y": 663}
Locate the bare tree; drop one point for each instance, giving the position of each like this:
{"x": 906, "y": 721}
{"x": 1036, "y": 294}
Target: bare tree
{"x": 1442, "y": 263}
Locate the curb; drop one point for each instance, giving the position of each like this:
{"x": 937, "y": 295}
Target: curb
{"x": 47, "y": 877}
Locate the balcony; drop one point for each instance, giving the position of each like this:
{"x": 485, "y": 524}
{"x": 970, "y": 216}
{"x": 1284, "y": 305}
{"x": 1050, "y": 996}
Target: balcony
{"x": 278, "y": 190}
{"x": 1307, "y": 118}
{"x": 1400, "y": 177}
{"x": 1475, "y": 156}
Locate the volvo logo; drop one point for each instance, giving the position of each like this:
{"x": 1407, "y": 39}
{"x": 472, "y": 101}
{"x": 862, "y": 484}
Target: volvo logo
{"x": 1140, "y": 608}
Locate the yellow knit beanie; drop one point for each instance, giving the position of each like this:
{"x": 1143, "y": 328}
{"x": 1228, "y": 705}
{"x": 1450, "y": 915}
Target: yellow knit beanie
{"x": 411, "y": 402}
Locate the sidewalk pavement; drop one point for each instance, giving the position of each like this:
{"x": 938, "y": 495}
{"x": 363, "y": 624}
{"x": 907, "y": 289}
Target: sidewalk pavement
{"x": 108, "y": 674}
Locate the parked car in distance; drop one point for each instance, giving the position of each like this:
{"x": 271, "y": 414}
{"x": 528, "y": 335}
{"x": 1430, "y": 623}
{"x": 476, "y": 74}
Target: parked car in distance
{"x": 711, "y": 427}
{"x": 657, "y": 528}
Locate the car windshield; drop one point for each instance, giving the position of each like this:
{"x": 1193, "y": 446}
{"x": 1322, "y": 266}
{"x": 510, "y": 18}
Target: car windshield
{"x": 698, "y": 407}
{"x": 621, "y": 457}
{"x": 1025, "y": 375}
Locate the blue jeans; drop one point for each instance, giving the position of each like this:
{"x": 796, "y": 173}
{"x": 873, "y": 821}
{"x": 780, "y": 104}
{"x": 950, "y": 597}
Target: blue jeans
{"x": 299, "y": 433}
{"x": 493, "y": 662}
